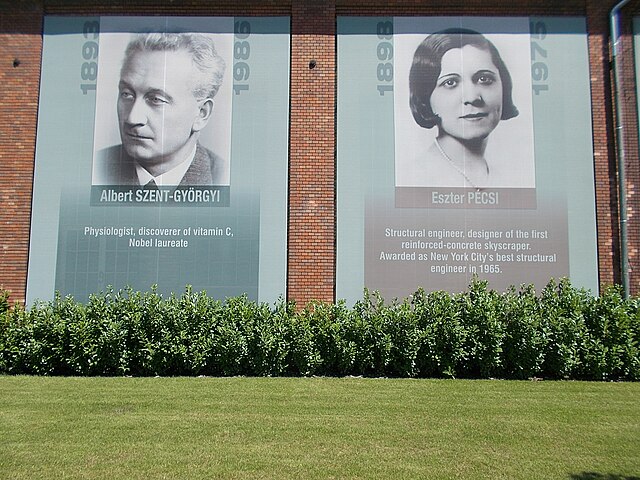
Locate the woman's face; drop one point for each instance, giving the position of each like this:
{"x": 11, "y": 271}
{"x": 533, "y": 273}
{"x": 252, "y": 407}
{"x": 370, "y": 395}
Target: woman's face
{"x": 468, "y": 94}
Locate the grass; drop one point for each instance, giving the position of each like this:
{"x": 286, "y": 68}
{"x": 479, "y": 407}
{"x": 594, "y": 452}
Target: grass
{"x": 305, "y": 428}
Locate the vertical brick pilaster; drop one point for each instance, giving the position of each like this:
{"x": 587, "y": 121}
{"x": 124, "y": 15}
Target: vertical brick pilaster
{"x": 603, "y": 144}
{"x": 605, "y": 141}
{"x": 20, "y": 55}
{"x": 311, "y": 268}
{"x": 629, "y": 121}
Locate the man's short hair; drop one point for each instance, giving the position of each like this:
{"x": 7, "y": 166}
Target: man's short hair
{"x": 209, "y": 65}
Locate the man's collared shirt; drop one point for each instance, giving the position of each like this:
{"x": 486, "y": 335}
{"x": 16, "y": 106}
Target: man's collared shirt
{"x": 171, "y": 178}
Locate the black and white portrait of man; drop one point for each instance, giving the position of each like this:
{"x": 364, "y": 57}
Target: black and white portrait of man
{"x": 170, "y": 88}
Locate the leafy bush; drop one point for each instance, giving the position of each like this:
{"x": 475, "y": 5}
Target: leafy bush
{"x": 442, "y": 334}
{"x": 525, "y": 339}
{"x": 563, "y": 332}
{"x": 4, "y": 300}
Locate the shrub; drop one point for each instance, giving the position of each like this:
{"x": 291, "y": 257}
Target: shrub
{"x": 563, "y": 328}
{"x": 441, "y": 334}
{"x": 329, "y": 326}
{"x": 610, "y": 346}
{"x": 481, "y": 311}
{"x": 564, "y": 332}
{"x": 4, "y": 301}
{"x": 524, "y": 342}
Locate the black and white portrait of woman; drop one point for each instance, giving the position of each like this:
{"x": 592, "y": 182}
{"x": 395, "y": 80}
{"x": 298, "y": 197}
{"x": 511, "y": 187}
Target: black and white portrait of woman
{"x": 459, "y": 124}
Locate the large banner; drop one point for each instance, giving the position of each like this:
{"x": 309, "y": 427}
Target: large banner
{"x": 162, "y": 156}
{"x": 464, "y": 148}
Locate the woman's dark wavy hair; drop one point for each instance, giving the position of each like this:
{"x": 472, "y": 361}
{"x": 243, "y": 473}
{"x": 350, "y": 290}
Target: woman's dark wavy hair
{"x": 427, "y": 63}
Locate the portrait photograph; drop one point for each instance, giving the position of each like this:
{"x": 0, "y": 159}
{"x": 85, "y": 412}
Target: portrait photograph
{"x": 163, "y": 101}
{"x": 463, "y": 103}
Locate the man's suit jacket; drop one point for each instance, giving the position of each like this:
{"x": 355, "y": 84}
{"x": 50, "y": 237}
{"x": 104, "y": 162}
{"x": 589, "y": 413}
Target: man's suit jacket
{"x": 113, "y": 166}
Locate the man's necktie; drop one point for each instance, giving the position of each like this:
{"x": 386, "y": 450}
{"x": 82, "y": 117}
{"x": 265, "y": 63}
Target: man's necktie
{"x": 151, "y": 185}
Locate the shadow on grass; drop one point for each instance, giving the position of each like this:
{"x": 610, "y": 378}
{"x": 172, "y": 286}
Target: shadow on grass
{"x": 601, "y": 476}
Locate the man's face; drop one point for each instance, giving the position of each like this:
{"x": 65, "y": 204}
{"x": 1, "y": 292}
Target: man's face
{"x": 157, "y": 109}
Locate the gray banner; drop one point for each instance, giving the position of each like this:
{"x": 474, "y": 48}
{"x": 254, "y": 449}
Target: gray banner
{"x": 142, "y": 178}
{"x": 434, "y": 186}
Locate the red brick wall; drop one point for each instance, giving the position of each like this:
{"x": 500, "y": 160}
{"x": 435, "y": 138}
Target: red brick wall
{"x": 20, "y": 42}
{"x": 312, "y": 160}
{"x": 629, "y": 121}
{"x": 603, "y": 144}
{"x": 311, "y": 263}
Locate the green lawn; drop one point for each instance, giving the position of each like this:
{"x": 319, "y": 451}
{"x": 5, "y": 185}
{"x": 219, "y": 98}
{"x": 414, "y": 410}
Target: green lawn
{"x": 179, "y": 428}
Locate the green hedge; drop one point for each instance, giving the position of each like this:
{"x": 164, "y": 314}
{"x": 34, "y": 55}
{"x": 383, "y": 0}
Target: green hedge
{"x": 563, "y": 332}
